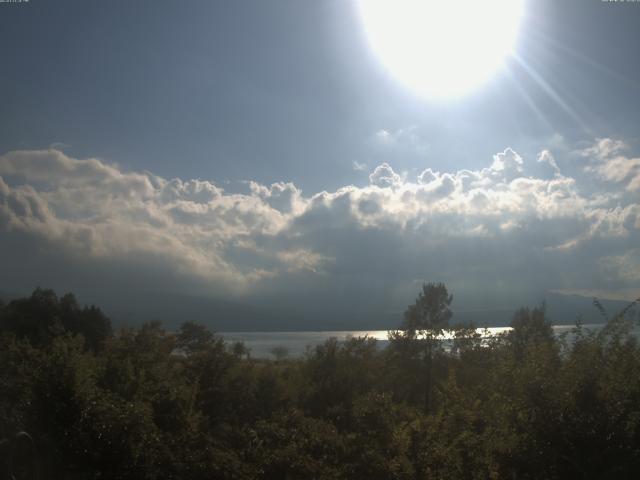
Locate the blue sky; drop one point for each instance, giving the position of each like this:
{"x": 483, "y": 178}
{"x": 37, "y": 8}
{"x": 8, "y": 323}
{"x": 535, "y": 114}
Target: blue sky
{"x": 245, "y": 94}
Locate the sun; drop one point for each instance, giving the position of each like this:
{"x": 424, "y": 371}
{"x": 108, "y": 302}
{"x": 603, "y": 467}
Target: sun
{"x": 442, "y": 49}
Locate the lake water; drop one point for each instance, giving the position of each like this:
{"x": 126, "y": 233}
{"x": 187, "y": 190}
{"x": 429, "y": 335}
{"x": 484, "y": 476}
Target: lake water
{"x": 261, "y": 344}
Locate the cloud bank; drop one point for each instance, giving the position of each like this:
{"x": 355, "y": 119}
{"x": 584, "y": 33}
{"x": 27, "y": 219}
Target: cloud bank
{"x": 500, "y": 232}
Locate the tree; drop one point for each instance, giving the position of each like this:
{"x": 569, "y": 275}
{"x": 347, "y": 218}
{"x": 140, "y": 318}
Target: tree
{"x": 36, "y": 318}
{"x": 420, "y": 336}
{"x": 430, "y": 314}
{"x": 193, "y": 337}
{"x": 43, "y": 316}
{"x": 90, "y": 322}
{"x": 530, "y": 327}
{"x": 280, "y": 353}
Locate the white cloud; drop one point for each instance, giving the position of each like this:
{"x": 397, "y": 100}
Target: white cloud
{"x": 383, "y": 176}
{"x": 625, "y": 267}
{"x": 507, "y": 165}
{"x": 427, "y": 176}
{"x": 610, "y": 164}
{"x": 496, "y": 229}
{"x": 604, "y": 148}
{"x": 89, "y": 208}
{"x": 384, "y": 137}
{"x": 620, "y": 169}
{"x": 407, "y": 139}
{"x": 546, "y": 157}
{"x": 283, "y": 197}
{"x": 359, "y": 167}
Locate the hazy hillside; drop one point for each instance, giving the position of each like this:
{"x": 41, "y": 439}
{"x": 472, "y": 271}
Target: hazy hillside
{"x": 134, "y": 308}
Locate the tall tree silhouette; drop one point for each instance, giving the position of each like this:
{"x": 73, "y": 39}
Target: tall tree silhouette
{"x": 419, "y": 337}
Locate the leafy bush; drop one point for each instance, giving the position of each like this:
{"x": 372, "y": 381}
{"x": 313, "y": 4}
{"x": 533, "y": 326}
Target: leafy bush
{"x": 147, "y": 403}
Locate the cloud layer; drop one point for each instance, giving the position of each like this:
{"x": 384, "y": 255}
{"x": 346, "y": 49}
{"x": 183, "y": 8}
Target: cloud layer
{"x": 503, "y": 231}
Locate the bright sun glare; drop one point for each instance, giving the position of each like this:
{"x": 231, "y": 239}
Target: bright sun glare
{"x": 442, "y": 48}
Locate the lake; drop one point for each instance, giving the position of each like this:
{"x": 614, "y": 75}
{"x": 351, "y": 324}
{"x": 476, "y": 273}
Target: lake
{"x": 262, "y": 343}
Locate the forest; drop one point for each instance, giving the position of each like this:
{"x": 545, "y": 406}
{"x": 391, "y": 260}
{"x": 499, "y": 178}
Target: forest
{"x": 146, "y": 403}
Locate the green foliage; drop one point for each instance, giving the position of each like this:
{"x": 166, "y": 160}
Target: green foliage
{"x": 430, "y": 314}
{"x": 144, "y": 403}
{"x": 293, "y": 445}
{"x": 413, "y": 348}
{"x": 193, "y": 337}
{"x": 530, "y": 328}
{"x": 337, "y": 373}
{"x": 43, "y": 316}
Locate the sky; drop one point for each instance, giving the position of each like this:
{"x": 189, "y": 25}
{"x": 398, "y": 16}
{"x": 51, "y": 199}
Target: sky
{"x": 261, "y": 153}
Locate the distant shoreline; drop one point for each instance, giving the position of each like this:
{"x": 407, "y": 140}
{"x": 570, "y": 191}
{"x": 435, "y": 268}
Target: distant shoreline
{"x": 295, "y": 343}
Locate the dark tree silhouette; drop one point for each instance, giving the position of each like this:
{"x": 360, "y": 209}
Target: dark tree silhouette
{"x": 530, "y": 327}
{"x": 419, "y": 338}
{"x": 430, "y": 314}
{"x": 42, "y": 317}
{"x": 193, "y": 337}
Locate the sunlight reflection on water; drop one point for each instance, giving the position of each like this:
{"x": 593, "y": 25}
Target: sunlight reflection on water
{"x": 261, "y": 344}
